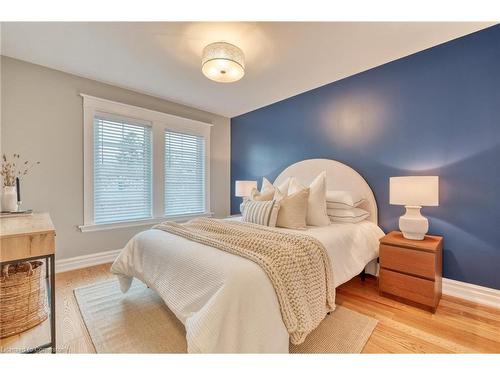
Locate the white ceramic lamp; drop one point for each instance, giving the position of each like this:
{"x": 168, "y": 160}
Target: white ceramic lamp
{"x": 244, "y": 188}
{"x": 413, "y": 192}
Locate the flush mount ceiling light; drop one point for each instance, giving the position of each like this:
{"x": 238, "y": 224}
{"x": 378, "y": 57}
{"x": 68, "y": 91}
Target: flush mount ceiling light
{"x": 223, "y": 62}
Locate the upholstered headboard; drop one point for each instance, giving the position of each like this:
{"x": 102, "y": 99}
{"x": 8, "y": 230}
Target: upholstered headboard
{"x": 338, "y": 177}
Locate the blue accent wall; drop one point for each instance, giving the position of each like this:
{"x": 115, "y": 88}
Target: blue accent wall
{"x": 436, "y": 112}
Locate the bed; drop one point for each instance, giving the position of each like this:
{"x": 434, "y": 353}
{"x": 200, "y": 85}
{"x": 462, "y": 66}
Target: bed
{"x": 226, "y": 302}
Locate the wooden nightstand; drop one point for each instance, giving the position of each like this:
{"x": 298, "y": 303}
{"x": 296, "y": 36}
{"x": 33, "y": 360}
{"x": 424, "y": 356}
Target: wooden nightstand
{"x": 411, "y": 270}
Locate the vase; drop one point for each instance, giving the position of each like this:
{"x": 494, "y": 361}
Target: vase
{"x": 9, "y": 199}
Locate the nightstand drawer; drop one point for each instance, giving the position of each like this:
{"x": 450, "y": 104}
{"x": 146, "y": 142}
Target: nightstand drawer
{"x": 408, "y": 287}
{"x": 414, "y": 262}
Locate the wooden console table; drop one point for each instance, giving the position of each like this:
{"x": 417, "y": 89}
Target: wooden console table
{"x": 28, "y": 238}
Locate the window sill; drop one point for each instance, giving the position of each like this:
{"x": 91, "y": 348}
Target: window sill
{"x": 139, "y": 223}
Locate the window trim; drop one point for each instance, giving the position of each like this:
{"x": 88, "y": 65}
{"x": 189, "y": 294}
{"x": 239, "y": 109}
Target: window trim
{"x": 159, "y": 122}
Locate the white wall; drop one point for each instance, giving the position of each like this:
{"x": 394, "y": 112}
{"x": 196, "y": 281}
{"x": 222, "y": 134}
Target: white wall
{"x": 42, "y": 119}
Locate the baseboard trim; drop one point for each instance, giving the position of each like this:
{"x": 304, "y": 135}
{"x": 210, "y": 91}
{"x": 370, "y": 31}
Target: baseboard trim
{"x": 471, "y": 292}
{"x": 70, "y": 264}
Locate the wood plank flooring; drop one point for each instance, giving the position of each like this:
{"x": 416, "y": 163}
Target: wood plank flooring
{"x": 457, "y": 326}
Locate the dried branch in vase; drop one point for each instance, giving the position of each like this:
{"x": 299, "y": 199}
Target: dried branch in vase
{"x": 14, "y": 168}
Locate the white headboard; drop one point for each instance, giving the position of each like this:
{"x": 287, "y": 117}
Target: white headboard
{"x": 338, "y": 177}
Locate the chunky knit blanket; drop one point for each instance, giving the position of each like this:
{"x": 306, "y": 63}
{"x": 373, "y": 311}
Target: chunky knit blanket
{"x": 297, "y": 265}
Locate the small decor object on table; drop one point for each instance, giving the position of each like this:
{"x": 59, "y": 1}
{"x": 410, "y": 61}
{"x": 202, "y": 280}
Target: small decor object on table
{"x": 410, "y": 270}
{"x": 16, "y": 213}
{"x": 12, "y": 172}
{"x": 9, "y": 199}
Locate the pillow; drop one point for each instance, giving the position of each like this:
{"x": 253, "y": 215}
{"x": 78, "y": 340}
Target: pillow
{"x": 351, "y": 215}
{"x": 267, "y": 195}
{"x": 292, "y": 209}
{"x": 268, "y": 187}
{"x": 316, "y": 203}
{"x": 260, "y": 212}
{"x": 343, "y": 199}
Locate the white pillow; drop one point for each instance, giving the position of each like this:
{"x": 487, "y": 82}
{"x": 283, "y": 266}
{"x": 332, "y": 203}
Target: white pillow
{"x": 351, "y": 215}
{"x": 343, "y": 199}
{"x": 316, "y": 203}
{"x": 267, "y": 186}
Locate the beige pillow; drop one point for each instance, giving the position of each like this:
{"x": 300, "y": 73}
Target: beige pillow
{"x": 267, "y": 195}
{"x": 267, "y": 189}
{"x": 316, "y": 205}
{"x": 293, "y": 209}
{"x": 283, "y": 187}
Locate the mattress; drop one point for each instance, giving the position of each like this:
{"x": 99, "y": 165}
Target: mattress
{"x": 226, "y": 302}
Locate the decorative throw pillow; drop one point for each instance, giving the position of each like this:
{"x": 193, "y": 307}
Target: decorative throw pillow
{"x": 267, "y": 187}
{"x": 343, "y": 199}
{"x": 267, "y": 195}
{"x": 351, "y": 215}
{"x": 292, "y": 210}
{"x": 260, "y": 212}
{"x": 316, "y": 203}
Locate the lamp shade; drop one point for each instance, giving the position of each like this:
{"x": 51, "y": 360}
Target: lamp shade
{"x": 223, "y": 62}
{"x": 414, "y": 190}
{"x": 244, "y": 188}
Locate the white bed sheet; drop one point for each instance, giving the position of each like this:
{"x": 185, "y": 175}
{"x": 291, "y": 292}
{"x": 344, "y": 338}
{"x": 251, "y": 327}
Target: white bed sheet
{"x": 226, "y": 302}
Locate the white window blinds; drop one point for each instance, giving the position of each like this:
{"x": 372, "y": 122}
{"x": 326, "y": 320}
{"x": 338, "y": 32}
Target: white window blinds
{"x": 184, "y": 173}
{"x": 122, "y": 170}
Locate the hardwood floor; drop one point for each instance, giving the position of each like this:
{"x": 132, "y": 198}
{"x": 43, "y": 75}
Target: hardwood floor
{"x": 457, "y": 326}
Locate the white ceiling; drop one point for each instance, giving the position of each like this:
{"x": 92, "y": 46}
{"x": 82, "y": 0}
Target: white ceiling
{"x": 163, "y": 59}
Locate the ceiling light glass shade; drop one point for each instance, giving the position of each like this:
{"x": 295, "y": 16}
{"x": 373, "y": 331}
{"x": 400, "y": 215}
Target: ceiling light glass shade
{"x": 223, "y": 62}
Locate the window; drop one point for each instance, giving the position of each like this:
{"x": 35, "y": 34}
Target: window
{"x": 141, "y": 166}
{"x": 184, "y": 173}
{"x": 122, "y": 170}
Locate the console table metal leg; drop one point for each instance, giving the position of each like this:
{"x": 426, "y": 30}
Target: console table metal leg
{"x": 52, "y": 303}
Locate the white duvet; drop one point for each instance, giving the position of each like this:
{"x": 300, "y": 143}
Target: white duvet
{"x": 226, "y": 302}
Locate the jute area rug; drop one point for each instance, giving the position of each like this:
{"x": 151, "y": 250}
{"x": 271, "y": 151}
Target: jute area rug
{"x": 140, "y": 322}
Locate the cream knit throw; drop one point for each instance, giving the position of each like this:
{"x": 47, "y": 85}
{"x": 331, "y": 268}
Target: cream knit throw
{"x": 297, "y": 265}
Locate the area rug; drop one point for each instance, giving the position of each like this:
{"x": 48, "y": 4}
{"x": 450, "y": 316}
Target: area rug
{"x": 140, "y": 322}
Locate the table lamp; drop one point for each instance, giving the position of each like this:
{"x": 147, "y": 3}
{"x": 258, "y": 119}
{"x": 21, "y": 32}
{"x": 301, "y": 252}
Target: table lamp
{"x": 413, "y": 192}
{"x": 244, "y": 188}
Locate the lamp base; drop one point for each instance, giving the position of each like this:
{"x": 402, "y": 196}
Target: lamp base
{"x": 242, "y": 203}
{"x": 412, "y": 224}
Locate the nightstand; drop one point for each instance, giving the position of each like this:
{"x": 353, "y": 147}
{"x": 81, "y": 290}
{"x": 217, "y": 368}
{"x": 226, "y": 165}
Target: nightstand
{"x": 411, "y": 270}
